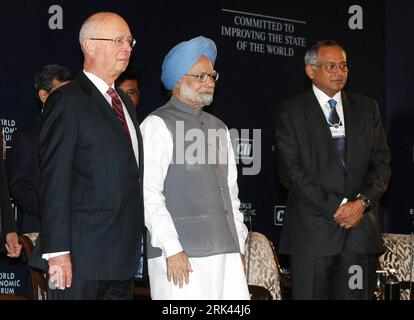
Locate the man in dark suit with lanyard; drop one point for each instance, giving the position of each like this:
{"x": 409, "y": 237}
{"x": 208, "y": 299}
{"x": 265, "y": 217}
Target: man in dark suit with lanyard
{"x": 91, "y": 168}
{"x": 333, "y": 157}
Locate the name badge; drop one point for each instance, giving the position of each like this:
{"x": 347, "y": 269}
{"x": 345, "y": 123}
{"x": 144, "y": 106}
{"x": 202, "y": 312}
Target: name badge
{"x": 337, "y": 132}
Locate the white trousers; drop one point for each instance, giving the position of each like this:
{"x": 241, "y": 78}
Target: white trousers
{"x": 218, "y": 277}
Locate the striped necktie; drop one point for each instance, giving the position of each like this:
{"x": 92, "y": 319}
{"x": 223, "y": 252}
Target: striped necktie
{"x": 119, "y": 111}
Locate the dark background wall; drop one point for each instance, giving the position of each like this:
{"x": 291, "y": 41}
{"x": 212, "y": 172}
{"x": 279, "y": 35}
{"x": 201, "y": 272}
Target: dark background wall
{"x": 399, "y": 115}
{"x": 252, "y": 82}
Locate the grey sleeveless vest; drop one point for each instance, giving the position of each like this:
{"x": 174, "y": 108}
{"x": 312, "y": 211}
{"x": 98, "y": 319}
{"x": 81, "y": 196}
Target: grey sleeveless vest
{"x": 195, "y": 188}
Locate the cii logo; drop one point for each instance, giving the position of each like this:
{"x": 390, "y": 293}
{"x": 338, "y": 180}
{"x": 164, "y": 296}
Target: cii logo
{"x": 247, "y": 146}
{"x": 244, "y": 149}
{"x": 278, "y": 215}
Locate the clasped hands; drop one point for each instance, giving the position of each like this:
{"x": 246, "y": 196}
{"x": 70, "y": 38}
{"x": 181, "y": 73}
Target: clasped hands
{"x": 349, "y": 214}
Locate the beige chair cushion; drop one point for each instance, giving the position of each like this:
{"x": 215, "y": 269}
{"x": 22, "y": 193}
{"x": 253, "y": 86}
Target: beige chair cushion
{"x": 262, "y": 268}
{"x": 397, "y": 256}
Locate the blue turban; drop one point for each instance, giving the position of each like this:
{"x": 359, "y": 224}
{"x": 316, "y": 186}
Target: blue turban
{"x": 183, "y": 56}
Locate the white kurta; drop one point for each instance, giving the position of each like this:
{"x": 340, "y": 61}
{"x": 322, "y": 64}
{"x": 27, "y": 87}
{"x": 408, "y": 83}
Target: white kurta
{"x": 215, "y": 277}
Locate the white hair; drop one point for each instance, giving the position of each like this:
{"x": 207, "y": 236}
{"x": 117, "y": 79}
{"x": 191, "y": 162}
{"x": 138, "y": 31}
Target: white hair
{"x": 311, "y": 56}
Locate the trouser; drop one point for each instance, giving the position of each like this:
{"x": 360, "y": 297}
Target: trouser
{"x": 345, "y": 276}
{"x": 87, "y": 289}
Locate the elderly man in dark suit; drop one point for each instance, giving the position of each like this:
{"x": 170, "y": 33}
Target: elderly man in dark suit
{"x": 333, "y": 157}
{"x": 91, "y": 169}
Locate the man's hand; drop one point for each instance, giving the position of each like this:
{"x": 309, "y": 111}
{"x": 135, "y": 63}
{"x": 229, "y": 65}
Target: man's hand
{"x": 349, "y": 214}
{"x": 178, "y": 267}
{"x": 12, "y": 245}
{"x": 60, "y": 271}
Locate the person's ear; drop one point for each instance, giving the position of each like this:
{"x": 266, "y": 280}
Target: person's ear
{"x": 89, "y": 47}
{"x": 43, "y": 94}
{"x": 309, "y": 71}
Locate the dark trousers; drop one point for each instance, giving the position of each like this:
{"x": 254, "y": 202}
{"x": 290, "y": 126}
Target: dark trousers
{"x": 86, "y": 289}
{"x": 333, "y": 277}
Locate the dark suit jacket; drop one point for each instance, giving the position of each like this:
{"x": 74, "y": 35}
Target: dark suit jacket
{"x": 90, "y": 184}
{"x": 309, "y": 166}
{"x": 24, "y": 176}
{"x": 7, "y": 223}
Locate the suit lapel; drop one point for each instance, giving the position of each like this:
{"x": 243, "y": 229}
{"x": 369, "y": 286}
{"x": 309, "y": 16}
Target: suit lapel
{"x": 94, "y": 94}
{"x": 318, "y": 123}
{"x": 99, "y": 100}
{"x": 103, "y": 106}
{"x": 133, "y": 116}
{"x": 127, "y": 102}
{"x": 351, "y": 126}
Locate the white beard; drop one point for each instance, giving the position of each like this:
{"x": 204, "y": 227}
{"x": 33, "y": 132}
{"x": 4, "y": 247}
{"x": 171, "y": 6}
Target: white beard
{"x": 199, "y": 100}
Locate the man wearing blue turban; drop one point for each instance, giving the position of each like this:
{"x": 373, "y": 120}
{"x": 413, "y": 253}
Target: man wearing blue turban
{"x": 196, "y": 230}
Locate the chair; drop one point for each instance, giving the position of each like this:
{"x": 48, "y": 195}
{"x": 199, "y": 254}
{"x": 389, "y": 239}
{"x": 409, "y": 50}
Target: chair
{"x": 141, "y": 290}
{"x": 36, "y": 276}
{"x": 263, "y": 267}
{"x": 397, "y": 255}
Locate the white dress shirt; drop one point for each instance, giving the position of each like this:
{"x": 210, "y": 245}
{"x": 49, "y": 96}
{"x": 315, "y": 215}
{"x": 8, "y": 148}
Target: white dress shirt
{"x": 323, "y": 99}
{"x": 158, "y": 152}
{"x": 214, "y": 277}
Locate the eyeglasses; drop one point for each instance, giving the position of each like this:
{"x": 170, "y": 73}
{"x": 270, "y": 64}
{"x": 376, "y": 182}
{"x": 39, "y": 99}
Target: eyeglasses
{"x": 333, "y": 67}
{"x": 203, "y": 76}
{"x": 132, "y": 91}
{"x": 119, "y": 42}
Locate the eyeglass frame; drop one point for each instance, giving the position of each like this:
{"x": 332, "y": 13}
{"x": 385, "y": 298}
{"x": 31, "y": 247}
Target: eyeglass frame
{"x": 207, "y": 75}
{"x": 117, "y": 41}
{"x": 344, "y": 67}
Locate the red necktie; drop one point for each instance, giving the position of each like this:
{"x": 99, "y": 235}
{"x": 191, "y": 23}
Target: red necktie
{"x": 117, "y": 106}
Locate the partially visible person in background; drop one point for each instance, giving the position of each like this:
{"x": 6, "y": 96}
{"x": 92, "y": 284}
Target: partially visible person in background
{"x": 130, "y": 82}
{"x": 7, "y": 223}
{"x": 23, "y": 163}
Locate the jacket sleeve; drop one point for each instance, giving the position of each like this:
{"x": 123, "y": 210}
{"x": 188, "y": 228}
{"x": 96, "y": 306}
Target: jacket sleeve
{"x": 57, "y": 147}
{"x": 378, "y": 175}
{"x": 158, "y": 151}
{"x": 234, "y": 196}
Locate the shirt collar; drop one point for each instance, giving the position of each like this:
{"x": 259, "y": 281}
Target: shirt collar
{"x": 185, "y": 107}
{"x": 101, "y": 85}
{"x": 323, "y": 98}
